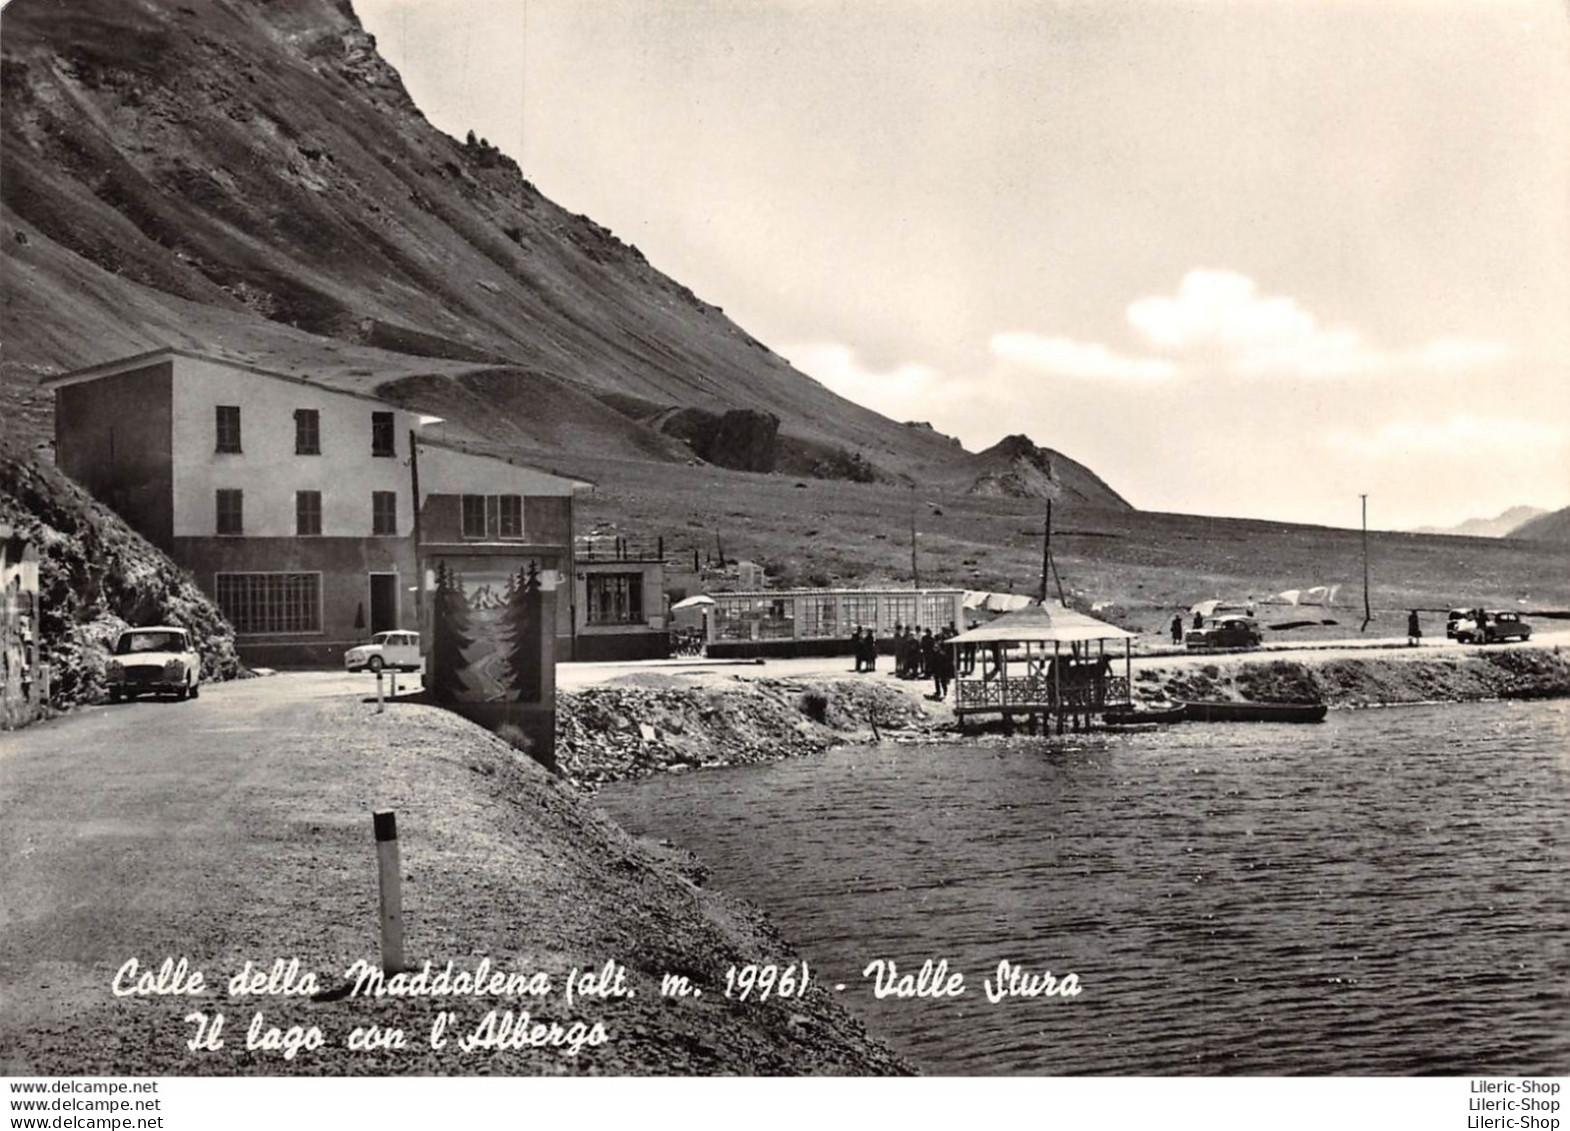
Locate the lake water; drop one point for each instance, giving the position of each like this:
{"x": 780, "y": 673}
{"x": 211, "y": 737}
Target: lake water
{"x": 1387, "y": 892}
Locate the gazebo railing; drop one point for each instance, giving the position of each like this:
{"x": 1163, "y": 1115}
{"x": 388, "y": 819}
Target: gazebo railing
{"x": 1038, "y": 692}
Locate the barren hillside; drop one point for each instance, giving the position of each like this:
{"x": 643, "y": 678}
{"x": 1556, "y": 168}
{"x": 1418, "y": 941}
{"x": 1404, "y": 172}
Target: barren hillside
{"x": 253, "y": 178}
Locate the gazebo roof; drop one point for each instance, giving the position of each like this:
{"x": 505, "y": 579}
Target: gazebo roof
{"x": 1049, "y": 623}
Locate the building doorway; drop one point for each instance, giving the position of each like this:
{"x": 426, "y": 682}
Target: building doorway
{"x": 384, "y": 602}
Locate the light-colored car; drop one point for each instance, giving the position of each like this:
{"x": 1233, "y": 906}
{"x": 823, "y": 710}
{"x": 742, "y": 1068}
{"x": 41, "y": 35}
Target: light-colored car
{"x": 397, "y": 650}
{"x": 156, "y": 660}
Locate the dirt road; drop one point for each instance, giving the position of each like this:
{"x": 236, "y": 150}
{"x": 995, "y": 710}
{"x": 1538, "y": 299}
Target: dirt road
{"x": 141, "y": 828}
{"x": 237, "y": 827}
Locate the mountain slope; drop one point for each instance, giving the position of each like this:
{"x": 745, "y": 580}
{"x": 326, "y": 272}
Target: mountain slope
{"x": 1553, "y": 527}
{"x": 1499, "y": 526}
{"x": 247, "y": 175}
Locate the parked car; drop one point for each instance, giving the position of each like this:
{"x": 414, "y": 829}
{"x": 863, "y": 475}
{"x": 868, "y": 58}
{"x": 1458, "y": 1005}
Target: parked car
{"x": 397, "y": 650}
{"x": 1498, "y": 624}
{"x": 1224, "y": 632}
{"x": 1454, "y": 619}
{"x": 155, "y": 660}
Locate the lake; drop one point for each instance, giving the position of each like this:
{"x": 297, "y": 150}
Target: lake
{"x": 1386, "y": 893}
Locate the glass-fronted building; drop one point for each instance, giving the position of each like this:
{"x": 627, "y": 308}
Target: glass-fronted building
{"x": 827, "y": 614}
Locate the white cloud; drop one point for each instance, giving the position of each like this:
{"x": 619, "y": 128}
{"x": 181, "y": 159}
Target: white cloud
{"x": 1065, "y": 357}
{"x": 1459, "y": 436}
{"x": 1222, "y": 313}
{"x": 888, "y": 391}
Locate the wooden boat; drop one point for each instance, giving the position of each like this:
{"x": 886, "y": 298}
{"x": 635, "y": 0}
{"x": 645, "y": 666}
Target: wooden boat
{"x": 1214, "y": 712}
{"x": 1118, "y": 717}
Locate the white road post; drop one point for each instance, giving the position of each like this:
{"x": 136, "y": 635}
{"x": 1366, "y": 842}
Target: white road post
{"x": 380, "y": 705}
{"x": 390, "y": 879}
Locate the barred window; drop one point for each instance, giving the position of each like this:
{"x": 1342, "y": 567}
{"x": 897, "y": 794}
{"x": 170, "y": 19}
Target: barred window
{"x": 900, "y": 609}
{"x": 307, "y": 512}
{"x": 270, "y": 603}
{"x": 228, "y": 428}
{"x": 384, "y": 512}
{"x": 231, "y": 511}
{"x": 382, "y": 442}
{"x": 862, "y": 609}
{"x": 307, "y": 432}
{"x": 936, "y": 612}
{"x": 615, "y": 598}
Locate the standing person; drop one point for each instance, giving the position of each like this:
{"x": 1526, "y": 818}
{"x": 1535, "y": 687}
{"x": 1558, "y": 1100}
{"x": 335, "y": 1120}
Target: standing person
{"x": 1177, "y": 629}
{"x": 942, "y": 667}
{"x": 869, "y": 650}
{"x": 1199, "y": 619}
{"x": 1414, "y": 630}
{"x": 855, "y": 648}
{"x": 927, "y": 647}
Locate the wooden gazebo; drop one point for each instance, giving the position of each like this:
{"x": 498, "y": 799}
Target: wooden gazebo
{"x": 1039, "y": 662}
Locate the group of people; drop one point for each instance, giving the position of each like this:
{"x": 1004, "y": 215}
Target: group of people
{"x": 915, "y": 657}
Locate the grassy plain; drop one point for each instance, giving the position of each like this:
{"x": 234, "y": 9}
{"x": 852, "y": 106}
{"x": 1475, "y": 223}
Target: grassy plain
{"x": 823, "y": 532}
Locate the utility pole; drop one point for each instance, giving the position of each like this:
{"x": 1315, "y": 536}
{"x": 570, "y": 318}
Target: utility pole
{"x": 1367, "y": 614}
{"x": 1049, "y": 567}
{"x": 915, "y": 570}
{"x": 1046, "y": 554}
{"x": 419, "y": 567}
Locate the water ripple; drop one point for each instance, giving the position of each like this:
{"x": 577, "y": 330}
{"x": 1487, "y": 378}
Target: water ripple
{"x": 1385, "y": 893}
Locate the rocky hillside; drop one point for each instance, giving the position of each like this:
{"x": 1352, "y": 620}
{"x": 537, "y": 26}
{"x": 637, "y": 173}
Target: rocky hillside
{"x": 1016, "y": 468}
{"x": 253, "y": 177}
{"x": 96, "y": 576}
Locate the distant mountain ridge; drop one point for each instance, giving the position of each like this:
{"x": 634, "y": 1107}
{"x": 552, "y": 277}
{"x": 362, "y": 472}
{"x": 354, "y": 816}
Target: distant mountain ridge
{"x": 1501, "y": 525}
{"x": 254, "y": 179}
{"x": 1551, "y": 527}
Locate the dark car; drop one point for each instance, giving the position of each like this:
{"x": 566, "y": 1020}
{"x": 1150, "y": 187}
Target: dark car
{"x": 1224, "y": 632}
{"x": 1498, "y": 624}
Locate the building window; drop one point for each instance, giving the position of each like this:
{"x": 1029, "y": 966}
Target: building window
{"x": 615, "y": 598}
{"x": 384, "y": 512}
{"x": 492, "y": 516}
{"x": 259, "y": 604}
{"x": 474, "y": 516}
{"x": 231, "y": 512}
{"x": 307, "y": 512}
{"x": 307, "y": 432}
{"x": 228, "y": 428}
{"x": 382, "y": 442}
{"x": 509, "y": 516}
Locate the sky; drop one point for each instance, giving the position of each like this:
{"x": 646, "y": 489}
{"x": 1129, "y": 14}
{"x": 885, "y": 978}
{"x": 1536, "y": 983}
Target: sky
{"x": 1251, "y": 258}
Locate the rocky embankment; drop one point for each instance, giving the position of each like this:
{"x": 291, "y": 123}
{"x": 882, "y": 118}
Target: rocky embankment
{"x": 647, "y": 724}
{"x": 1382, "y": 679}
{"x": 96, "y": 577}
{"x": 663, "y": 723}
